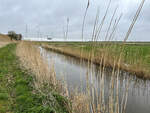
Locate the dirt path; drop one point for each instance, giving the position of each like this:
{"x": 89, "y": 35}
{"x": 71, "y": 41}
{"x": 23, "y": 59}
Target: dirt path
{"x": 2, "y": 44}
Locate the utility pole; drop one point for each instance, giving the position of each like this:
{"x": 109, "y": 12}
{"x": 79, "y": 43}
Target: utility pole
{"x": 26, "y": 34}
{"x": 67, "y": 28}
{"x": 38, "y": 31}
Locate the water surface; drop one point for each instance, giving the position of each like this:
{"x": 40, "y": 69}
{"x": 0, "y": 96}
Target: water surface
{"x": 75, "y": 73}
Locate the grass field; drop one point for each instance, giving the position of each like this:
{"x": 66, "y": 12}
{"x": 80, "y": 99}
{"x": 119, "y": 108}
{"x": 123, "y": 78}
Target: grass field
{"x": 135, "y": 55}
{"x": 17, "y": 94}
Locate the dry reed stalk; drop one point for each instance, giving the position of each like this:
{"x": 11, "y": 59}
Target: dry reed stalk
{"x": 107, "y": 33}
{"x": 102, "y": 22}
{"x": 95, "y": 25}
{"x": 134, "y": 20}
{"x": 83, "y": 24}
{"x": 111, "y": 94}
{"x": 130, "y": 30}
{"x": 113, "y": 108}
{"x": 80, "y": 101}
{"x": 119, "y": 62}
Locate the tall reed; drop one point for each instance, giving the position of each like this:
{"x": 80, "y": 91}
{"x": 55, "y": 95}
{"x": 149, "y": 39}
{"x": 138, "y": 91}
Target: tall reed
{"x": 100, "y": 106}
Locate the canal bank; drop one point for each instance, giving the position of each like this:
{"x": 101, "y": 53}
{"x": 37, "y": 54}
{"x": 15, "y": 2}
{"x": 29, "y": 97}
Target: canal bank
{"x": 18, "y": 93}
{"x": 100, "y": 58}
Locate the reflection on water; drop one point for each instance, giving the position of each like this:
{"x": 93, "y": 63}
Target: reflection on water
{"x": 75, "y": 72}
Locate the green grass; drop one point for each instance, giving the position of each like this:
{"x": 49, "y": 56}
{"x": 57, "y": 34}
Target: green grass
{"x": 136, "y": 52}
{"x": 16, "y": 88}
{"x": 131, "y": 51}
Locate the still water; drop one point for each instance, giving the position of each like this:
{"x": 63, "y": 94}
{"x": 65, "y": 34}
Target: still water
{"x": 75, "y": 73}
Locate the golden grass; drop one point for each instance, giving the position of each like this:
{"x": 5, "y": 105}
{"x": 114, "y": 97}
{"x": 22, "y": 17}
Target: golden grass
{"x": 31, "y": 59}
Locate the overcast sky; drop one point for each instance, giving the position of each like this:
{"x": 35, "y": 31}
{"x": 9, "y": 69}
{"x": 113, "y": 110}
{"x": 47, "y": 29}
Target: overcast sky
{"x": 50, "y": 17}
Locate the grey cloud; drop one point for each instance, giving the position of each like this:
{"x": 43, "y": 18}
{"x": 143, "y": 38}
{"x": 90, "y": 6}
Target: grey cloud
{"x": 50, "y": 17}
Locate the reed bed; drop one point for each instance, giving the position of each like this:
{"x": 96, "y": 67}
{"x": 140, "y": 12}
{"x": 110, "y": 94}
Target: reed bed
{"x": 45, "y": 82}
{"x": 32, "y": 59}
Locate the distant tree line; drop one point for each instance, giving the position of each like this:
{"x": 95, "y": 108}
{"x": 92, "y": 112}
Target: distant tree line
{"x": 14, "y": 36}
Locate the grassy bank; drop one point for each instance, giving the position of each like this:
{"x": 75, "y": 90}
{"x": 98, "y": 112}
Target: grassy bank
{"x": 17, "y": 90}
{"x": 135, "y": 57}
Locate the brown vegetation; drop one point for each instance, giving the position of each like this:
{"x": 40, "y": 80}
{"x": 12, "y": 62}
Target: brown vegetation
{"x": 31, "y": 59}
{"x": 4, "y": 40}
